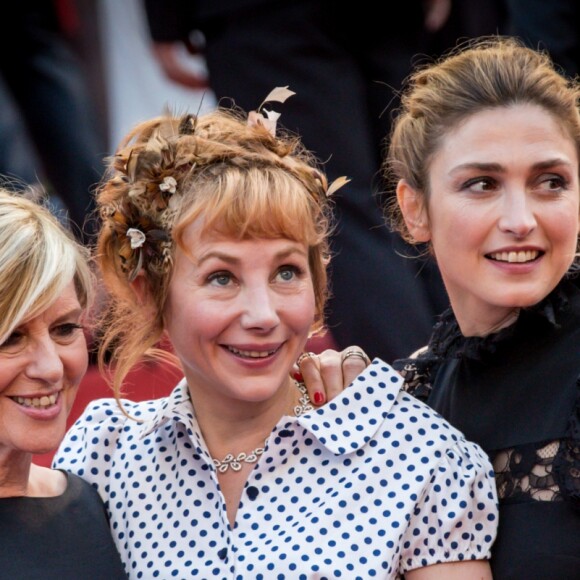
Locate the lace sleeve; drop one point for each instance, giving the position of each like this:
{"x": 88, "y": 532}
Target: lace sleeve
{"x": 416, "y": 380}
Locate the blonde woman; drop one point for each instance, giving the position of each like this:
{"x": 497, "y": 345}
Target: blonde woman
{"x": 53, "y": 524}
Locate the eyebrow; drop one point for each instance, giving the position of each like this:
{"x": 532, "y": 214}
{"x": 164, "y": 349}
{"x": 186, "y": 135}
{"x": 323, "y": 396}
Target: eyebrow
{"x": 281, "y": 255}
{"x": 75, "y": 312}
{"x": 552, "y": 163}
{"x": 479, "y": 166}
{"x": 72, "y": 313}
{"x": 498, "y": 168}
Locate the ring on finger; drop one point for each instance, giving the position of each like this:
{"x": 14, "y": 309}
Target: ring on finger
{"x": 303, "y": 356}
{"x": 357, "y": 353}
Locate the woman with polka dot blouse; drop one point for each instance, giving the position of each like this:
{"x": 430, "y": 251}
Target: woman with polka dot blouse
{"x": 215, "y": 237}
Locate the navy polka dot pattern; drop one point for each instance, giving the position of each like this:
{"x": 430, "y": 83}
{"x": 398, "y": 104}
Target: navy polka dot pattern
{"x": 373, "y": 484}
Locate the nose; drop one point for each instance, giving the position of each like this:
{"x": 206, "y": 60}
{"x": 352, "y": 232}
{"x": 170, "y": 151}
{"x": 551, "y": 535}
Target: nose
{"x": 259, "y": 309}
{"x": 517, "y": 216}
{"x": 45, "y": 363}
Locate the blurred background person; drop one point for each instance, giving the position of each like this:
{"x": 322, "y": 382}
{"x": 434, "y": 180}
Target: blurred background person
{"x": 49, "y": 116}
{"x": 136, "y": 88}
{"x": 553, "y": 26}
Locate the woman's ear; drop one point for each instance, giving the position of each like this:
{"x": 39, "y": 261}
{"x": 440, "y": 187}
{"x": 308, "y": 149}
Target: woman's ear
{"x": 414, "y": 212}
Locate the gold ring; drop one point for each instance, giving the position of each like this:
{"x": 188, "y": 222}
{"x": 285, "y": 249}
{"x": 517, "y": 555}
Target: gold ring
{"x": 355, "y": 352}
{"x": 303, "y": 356}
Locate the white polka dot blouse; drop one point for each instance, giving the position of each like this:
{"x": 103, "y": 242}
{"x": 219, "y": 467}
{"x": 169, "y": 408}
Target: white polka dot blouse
{"x": 371, "y": 485}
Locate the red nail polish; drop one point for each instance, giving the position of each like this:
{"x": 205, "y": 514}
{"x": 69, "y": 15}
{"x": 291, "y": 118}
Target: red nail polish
{"x": 297, "y": 376}
{"x": 318, "y": 398}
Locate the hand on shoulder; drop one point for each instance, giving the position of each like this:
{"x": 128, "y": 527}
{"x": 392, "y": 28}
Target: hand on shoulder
{"x": 329, "y": 372}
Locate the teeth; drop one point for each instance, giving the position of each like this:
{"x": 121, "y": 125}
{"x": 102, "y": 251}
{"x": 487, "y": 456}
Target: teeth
{"x": 251, "y": 353}
{"x": 515, "y": 257}
{"x": 37, "y": 402}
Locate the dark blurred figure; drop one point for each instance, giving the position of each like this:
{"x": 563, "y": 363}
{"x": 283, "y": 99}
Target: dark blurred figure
{"x": 44, "y": 90}
{"x": 345, "y": 62}
{"x": 470, "y": 19}
{"x": 552, "y": 25}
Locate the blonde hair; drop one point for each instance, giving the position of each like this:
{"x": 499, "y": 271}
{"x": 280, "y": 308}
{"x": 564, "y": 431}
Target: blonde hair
{"x": 236, "y": 176}
{"x": 38, "y": 258}
{"x": 481, "y": 74}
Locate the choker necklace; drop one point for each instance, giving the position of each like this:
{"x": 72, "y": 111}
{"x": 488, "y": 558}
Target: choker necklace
{"x": 235, "y": 461}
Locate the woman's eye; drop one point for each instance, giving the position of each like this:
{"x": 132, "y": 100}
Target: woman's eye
{"x": 288, "y": 273}
{"x": 67, "y": 330}
{"x": 220, "y": 278}
{"x": 553, "y": 183}
{"x": 480, "y": 184}
{"x": 12, "y": 341}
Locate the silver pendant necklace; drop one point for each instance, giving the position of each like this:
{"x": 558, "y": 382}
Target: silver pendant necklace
{"x": 235, "y": 461}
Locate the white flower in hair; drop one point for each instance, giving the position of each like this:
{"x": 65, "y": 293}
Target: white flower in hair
{"x": 137, "y": 238}
{"x": 168, "y": 184}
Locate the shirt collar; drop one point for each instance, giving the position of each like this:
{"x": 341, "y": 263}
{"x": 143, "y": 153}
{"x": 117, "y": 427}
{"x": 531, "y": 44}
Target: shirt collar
{"x": 177, "y": 406}
{"x": 343, "y": 425}
{"x": 351, "y": 419}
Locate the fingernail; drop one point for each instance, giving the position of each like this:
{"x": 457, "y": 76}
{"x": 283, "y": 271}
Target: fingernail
{"x": 318, "y": 398}
{"x": 297, "y": 376}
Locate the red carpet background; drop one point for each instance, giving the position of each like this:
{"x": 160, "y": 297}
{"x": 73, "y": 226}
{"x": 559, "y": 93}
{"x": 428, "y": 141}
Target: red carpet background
{"x": 150, "y": 381}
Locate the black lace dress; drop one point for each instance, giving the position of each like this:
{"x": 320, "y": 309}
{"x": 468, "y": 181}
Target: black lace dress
{"x": 517, "y": 394}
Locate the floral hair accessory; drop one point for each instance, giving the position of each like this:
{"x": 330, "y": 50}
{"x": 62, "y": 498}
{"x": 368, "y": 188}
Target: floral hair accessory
{"x": 168, "y": 184}
{"x": 136, "y": 237}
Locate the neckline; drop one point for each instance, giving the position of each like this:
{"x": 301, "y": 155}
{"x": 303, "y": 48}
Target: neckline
{"x": 235, "y": 461}
{"x": 448, "y": 340}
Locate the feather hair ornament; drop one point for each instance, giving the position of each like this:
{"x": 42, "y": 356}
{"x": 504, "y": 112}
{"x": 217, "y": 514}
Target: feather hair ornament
{"x": 269, "y": 120}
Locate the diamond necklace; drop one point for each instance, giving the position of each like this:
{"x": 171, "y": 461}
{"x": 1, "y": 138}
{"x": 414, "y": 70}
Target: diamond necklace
{"x": 235, "y": 461}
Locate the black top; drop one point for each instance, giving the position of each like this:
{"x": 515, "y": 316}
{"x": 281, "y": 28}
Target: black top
{"x": 517, "y": 394}
{"x": 62, "y": 538}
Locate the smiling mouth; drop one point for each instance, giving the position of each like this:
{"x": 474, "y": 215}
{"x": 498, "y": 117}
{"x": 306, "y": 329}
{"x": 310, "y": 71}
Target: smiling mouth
{"x": 515, "y": 257}
{"x": 37, "y": 402}
{"x": 251, "y": 353}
